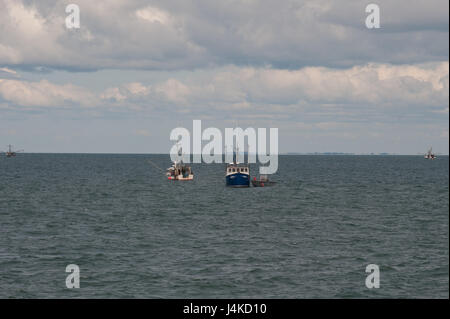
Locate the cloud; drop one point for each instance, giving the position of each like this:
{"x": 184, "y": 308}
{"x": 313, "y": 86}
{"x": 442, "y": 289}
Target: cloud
{"x": 371, "y": 85}
{"x": 371, "y": 90}
{"x": 153, "y": 15}
{"x": 169, "y": 35}
{"x": 173, "y": 90}
{"x": 6, "y": 73}
{"x": 367, "y": 90}
{"x": 113, "y": 94}
{"x": 44, "y": 94}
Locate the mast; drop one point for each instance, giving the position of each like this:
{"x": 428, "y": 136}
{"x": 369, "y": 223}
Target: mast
{"x": 237, "y": 145}
{"x": 180, "y": 154}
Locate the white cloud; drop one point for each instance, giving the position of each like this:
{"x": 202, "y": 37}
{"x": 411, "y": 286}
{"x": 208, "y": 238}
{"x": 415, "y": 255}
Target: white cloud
{"x": 9, "y": 54}
{"x": 373, "y": 89}
{"x": 26, "y": 19}
{"x": 6, "y": 73}
{"x": 137, "y": 88}
{"x": 152, "y": 15}
{"x": 376, "y": 85}
{"x": 173, "y": 90}
{"x": 113, "y": 94}
{"x": 44, "y": 93}
{"x": 6, "y": 70}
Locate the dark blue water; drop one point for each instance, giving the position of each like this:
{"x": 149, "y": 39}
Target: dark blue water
{"x": 134, "y": 234}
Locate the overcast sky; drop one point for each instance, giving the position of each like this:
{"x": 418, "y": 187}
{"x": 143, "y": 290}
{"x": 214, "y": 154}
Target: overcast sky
{"x": 135, "y": 70}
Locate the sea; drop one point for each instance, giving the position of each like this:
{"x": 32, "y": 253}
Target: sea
{"x": 132, "y": 233}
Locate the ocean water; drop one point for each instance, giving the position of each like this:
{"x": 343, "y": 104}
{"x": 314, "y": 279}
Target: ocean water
{"x": 134, "y": 234}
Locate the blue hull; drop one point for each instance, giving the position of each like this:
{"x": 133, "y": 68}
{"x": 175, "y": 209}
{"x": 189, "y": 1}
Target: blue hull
{"x": 238, "y": 180}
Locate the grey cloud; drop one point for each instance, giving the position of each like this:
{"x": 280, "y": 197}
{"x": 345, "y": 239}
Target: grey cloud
{"x": 200, "y": 34}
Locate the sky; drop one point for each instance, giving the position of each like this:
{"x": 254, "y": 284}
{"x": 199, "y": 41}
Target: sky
{"x": 135, "y": 70}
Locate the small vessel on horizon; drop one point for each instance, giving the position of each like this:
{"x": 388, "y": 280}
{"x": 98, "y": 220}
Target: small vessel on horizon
{"x": 430, "y": 154}
{"x": 10, "y": 152}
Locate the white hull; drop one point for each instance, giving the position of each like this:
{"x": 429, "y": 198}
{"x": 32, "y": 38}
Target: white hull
{"x": 190, "y": 177}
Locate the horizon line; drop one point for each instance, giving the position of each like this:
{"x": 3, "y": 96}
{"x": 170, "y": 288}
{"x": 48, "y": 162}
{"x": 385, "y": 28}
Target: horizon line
{"x": 284, "y": 153}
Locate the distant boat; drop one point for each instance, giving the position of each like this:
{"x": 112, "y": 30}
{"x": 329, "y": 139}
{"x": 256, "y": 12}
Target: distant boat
{"x": 237, "y": 175}
{"x": 263, "y": 181}
{"x": 430, "y": 154}
{"x": 180, "y": 171}
{"x": 10, "y": 152}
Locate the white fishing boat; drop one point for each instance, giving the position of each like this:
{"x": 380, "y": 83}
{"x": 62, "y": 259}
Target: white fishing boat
{"x": 180, "y": 171}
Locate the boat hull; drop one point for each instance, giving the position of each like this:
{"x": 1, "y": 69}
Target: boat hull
{"x": 238, "y": 180}
{"x": 262, "y": 183}
{"x": 181, "y": 178}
